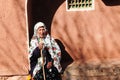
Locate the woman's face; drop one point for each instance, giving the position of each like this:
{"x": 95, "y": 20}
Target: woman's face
{"x": 41, "y": 32}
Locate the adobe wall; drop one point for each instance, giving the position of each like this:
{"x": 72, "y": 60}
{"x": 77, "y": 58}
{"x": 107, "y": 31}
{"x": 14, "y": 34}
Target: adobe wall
{"x": 13, "y": 38}
{"x": 90, "y": 36}
{"x": 92, "y": 39}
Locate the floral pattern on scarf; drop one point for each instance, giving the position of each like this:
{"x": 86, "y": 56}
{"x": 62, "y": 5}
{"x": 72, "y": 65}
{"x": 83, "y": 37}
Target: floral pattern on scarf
{"x": 53, "y": 49}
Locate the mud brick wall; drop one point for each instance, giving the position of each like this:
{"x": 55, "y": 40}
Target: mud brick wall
{"x": 13, "y": 38}
{"x": 90, "y": 36}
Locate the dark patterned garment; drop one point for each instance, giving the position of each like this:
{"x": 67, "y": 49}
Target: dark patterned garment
{"x": 51, "y": 74}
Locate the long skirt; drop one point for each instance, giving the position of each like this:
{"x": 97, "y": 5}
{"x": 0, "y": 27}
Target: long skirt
{"x": 50, "y": 74}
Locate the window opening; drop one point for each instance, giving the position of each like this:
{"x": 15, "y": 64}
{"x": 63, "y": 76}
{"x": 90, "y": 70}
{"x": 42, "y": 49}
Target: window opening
{"x": 73, "y": 5}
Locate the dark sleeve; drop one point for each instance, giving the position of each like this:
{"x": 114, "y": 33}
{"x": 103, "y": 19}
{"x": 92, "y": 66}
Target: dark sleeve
{"x": 34, "y": 58}
{"x": 36, "y": 55}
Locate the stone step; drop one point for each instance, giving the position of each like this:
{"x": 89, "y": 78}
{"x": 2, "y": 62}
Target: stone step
{"x": 103, "y": 71}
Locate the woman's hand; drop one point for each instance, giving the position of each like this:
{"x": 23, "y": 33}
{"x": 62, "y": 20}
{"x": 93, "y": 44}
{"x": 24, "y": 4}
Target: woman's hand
{"x": 41, "y": 45}
{"x": 49, "y": 65}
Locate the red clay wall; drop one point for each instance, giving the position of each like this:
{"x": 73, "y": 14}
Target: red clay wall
{"x": 89, "y": 36}
{"x": 13, "y": 38}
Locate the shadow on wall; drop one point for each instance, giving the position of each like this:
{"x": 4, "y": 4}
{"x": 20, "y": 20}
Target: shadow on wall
{"x": 111, "y": 2}
{"x": 65, "y": 57}
{"x": 41, "y": 10}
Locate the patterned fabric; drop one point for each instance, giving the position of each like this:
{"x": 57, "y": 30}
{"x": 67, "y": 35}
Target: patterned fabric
{"x": 51, "y": 74}
{"x": 52, "y": 48}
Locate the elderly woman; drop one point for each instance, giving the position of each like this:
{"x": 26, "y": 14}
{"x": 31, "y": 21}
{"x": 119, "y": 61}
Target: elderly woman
{"x": 43, "y": 44}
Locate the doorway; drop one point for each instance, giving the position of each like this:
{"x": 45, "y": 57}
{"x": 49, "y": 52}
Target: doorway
{"x": 41, "y": 10}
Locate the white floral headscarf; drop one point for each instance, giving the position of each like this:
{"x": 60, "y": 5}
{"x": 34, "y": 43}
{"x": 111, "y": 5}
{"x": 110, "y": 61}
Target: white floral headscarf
{"x": 52, "y": 46}
{"x": 38, "y": 25}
